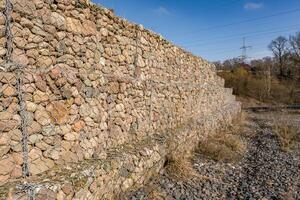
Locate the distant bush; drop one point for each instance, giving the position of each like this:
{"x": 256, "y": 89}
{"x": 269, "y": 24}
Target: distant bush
{"x": 259, "y": 87}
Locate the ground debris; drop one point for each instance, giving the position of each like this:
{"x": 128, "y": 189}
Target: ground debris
{"x": 266, "y": 172}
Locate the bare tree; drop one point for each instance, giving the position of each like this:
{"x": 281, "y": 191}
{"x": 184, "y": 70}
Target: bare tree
{"x": 295, "y": 53}
{"x": 295, "y": 45}
{"x": 295, "y": 57}
{"x": 280, "y": 49}
{"x": 263, "y": 69}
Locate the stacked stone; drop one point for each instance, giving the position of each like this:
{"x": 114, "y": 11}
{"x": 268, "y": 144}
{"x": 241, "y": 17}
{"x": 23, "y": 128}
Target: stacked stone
{"x": 93, "y": 82}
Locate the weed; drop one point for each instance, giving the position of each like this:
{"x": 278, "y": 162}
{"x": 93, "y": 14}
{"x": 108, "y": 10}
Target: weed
{"x": 287, "y": 133}
{"x": 178, "y": 167}
{"x": 222, "y": 147}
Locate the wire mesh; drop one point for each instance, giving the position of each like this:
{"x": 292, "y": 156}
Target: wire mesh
{"x": 18, "y": 79}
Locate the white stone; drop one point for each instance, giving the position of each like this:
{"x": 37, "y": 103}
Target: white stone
{"x": 71, "y": 136}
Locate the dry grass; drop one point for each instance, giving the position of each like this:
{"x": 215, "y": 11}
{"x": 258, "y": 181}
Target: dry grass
{"x": 225, "y": 147}
{"x": 180, "y": 167}
{"x": 287, "y": 132}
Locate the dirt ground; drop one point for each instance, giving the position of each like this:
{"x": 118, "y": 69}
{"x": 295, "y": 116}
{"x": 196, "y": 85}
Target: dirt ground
{"x": 268, "y": 170}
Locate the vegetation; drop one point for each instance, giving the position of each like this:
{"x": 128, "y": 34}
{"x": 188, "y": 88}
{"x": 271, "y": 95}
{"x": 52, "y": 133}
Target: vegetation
{"x": 272, "y": 80}
{"x": 262, "y": 88}
{"x": 226, "y": 147}
{"x": 287, "y": 133}
{"x": 179, "y": 167}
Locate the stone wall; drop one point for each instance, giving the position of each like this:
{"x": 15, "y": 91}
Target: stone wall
{"x": 95, "y": 101}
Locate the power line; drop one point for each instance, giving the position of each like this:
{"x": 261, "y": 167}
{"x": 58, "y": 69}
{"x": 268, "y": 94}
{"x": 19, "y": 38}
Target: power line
{"x": 240, "y": 34}
{"x": 249, "y": 36}
{"x": 246, "y": 21}
{"x": 230, "y": 50}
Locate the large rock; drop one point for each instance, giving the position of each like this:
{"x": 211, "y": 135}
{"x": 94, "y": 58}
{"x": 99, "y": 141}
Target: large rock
{"x": 6, "y": 115}
{"x": 9, "y": 91}
{"x": 40, "y": 96}
{"x": 113, "y": 87}
{"x": 89, "y": 28}
{"x": 104, "y": 32}
{"x": 6, "y": 165}
{"x": 30, "y": 106}
{"x": 85, "y": 110}
{"x": 25, "y": 7}
{"x": 26, "y": 23}
{"x": 42, "y": 117}
{"x": 2, "y": 19}
{"x": 59, "y": 112}
{"x": 83, "y": 194}
{"x": 3, "y": 150}
{"x": 78, "y": 126}
{"x": 35, "y": 138}
{"x": 8, "y": 77}
{"x": 38, "y": 31}
{"x": 45, "y": 193}
{"x": 40, "y": 165}
{"x": 74, "y": 25}
{"x": 34, "y": 127}
{"x": 58, "y": 20}
{"x": 140, "y": 62}
{"x": 72, "y": 136}
{"x": 2, "y": 51}
{"x": 7, "y": 125}
{"x": 44, "y": 61}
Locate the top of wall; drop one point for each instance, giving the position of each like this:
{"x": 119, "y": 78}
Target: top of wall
{"x": 110, "y": 13}
{"x": 29, "y": 7}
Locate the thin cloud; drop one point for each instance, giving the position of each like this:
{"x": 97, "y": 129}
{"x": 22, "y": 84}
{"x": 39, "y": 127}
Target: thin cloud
{"x": 162, "y": 11}
{"x": 253, "y": 6}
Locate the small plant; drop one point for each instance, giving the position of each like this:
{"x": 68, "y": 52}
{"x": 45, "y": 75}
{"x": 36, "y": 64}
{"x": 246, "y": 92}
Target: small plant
{"x": 287, "y": 133}
{"x": 222, "y": 147}
{"x": 180, "y": 168}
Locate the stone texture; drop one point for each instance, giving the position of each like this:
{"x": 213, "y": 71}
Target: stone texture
{"x": 6, "y": 165}
{"x": 42, "y": 117}
{"x": 8, "y": 90}
{"x": 59, "y": 112}
{"x": 74, "y": 25}
{"x": 40, "y": 96}
{"x": 78, "y": 126}
{"x": 89, "y": 89}
{"x": 58, "y": 20}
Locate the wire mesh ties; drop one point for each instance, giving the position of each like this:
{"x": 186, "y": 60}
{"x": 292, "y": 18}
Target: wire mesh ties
{"x": 8, "y": 33}
{"x": 18, "y": 71}
{"x": 23, "y": 126}
{"x": 30, "y": 189}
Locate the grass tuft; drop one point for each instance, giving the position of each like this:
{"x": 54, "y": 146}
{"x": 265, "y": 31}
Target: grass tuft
{"x": 287, "y": 133}
{"x": 181, "y": 168}
{"x": 225, "y": 147}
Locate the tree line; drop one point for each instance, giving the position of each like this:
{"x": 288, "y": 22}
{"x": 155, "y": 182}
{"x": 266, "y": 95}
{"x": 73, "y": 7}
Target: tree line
{"x": 275, "y": 79}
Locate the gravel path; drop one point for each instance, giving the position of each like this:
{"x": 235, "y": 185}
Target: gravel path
{"x": 265, "y": 173}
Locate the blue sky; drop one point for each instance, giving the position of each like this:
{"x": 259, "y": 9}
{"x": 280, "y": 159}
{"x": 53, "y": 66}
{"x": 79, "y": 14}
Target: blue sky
{"x": 214, "y": 29}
